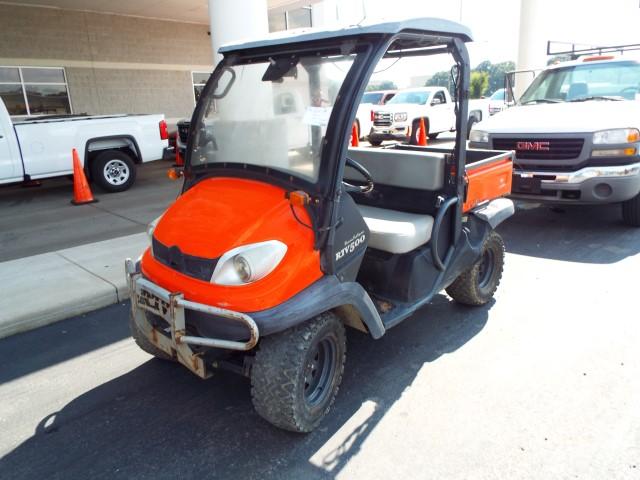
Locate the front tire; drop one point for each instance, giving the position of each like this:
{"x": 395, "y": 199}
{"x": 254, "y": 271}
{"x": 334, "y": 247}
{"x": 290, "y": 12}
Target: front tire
{"x": 477, "y": 285}
{"x": 113, "y": 171}
{"x": 144, "y": 344}
{"x": 415, "y": 126}
{"x": 296, "y": 373}
{"x": 631, "y": 211}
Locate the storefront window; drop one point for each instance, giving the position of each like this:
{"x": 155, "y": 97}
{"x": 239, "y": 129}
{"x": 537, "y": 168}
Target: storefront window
{"x": 29, "y": 91}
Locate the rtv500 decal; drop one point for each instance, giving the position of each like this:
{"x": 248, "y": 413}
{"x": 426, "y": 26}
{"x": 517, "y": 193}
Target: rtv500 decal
{"x": 351, "y": 245}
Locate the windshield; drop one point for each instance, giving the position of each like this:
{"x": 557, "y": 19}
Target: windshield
{"x": 374, "y": 98}
{"x": 410, "y": 97}
{"x": 604, "y": 81}
{"x": 498, "y": 95}
{"x": 272, "y": 114}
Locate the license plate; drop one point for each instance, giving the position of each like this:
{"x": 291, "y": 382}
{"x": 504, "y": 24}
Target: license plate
{"x": 153, "y": 303}
{"x": 526, "y": 184}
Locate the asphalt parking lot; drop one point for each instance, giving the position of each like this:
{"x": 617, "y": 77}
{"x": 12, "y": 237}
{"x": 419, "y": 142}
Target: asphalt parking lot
{"x": 40, "y": 219}
{"x": 541, "y": 383}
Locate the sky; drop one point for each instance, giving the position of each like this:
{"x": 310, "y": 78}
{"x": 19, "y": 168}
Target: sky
{"x": 496, "y": 25}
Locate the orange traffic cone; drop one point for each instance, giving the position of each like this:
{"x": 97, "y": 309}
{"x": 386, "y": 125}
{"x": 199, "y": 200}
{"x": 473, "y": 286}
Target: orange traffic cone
{"x": 355, "y": 141}
{"x": 81, "y": 191}
{"x": 422, "y": 134}
{"x": 179, "y": 159}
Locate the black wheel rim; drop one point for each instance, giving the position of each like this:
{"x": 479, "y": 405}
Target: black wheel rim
{"x": 485, "y": 269}
{"x": 319, "y": 372}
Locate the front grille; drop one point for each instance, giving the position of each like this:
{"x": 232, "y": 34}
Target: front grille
{"x": 172, "y": 257}
{"x": 558, "y": 148}
{"x": 382, "y": 120}
{"x": 183, "y": 132}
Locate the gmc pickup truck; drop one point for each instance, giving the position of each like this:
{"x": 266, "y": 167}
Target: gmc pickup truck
{"x": 400, "y": 117}
{"x": 576, "y": 134}
{"x": 109, "y": 147}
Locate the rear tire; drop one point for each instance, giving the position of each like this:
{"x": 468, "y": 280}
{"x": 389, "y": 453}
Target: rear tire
{"x": 113, "y": 170}
{"x": 477, "y": 285}
{"x": 296, "y": 373}
{"x": 145, "y": 344}
{"x": 631, "y": 211}
{"x": 375, "y": 143}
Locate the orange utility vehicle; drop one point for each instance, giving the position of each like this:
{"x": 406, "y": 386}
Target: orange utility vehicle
{"x": 283, "y": 235}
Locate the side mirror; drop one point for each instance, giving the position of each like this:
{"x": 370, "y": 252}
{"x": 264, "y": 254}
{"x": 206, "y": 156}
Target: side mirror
{"x": 436, "y": 101}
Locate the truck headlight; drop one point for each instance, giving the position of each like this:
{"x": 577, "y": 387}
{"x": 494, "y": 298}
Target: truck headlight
{"x": 614, "y": 152}
{"x": 400, "y": 117}
{"x": 479, "y": 136}
{"x": 248, "y": 263}
{"x": 618, "y": 135}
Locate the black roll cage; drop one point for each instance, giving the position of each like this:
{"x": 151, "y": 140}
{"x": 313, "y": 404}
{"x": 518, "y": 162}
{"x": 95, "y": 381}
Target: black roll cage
{"x": 326, "y": 192}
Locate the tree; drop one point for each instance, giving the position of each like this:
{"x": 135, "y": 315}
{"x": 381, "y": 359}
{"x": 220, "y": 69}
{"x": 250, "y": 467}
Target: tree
{"x": 439, "y": 79}
{"x": 382, "y": 85}
{"x": 479, "y": 84}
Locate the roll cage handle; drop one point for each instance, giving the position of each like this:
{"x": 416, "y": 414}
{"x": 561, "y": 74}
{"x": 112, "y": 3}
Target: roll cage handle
{"x": 435, "y": 231}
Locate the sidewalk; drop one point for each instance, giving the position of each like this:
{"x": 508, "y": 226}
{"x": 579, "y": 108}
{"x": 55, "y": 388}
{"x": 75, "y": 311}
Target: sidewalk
{"x": 46, "y": 288}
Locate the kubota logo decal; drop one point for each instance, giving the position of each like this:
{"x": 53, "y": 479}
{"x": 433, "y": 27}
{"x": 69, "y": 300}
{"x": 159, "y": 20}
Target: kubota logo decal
{"x": 351, "y": 245}
{"x": 536, "y": 146}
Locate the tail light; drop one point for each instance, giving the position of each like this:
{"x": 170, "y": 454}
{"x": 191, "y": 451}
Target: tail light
{"x": 372, "y": 115}
{"x": 164, "y": 132}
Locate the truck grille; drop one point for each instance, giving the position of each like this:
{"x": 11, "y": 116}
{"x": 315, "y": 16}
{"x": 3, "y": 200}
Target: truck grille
{"x": 541, "y": 148}
{"x": 172, "y": 257}
{"x": 382, "y": 119}
{"x": 183, "y": 132}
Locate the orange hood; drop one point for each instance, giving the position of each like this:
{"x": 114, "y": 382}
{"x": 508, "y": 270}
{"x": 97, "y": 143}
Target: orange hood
{"x": 222, "y": 213}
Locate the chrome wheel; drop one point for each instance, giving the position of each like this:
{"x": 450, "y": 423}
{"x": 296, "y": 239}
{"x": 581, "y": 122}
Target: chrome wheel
{"x": 116, "y": 172}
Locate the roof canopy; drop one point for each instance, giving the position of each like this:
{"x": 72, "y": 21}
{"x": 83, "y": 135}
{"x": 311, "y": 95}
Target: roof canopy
{"x": 431, "y": 26}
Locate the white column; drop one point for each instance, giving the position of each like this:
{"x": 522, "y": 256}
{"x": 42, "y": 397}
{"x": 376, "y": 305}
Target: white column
{"x": 532, "y": 42}
{"x": 232, "y": 20}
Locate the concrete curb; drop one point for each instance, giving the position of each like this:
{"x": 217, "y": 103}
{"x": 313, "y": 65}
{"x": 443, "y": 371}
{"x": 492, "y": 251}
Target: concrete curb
{"x": 43, "y": 289}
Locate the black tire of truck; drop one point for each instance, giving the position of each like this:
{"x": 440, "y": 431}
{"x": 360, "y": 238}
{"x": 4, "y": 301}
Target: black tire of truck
{"x": 296, "y": 374}
{"x": 144, "y": 344}
{"x": 113, "y": 171}
{"x": 477, "y": 285}
{"x": 415, "y": 126}
{"x": 631, "y": 211}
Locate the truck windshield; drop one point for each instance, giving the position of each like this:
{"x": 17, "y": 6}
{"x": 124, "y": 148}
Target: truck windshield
{"x": 272, "y": 114}
{"x": 374, "y": 98}
{"x": 588, "y": 81}
{"x": 419, "y": 98}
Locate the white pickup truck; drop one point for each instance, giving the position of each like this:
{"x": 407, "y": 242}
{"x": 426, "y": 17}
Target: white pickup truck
{"x": 109, "y": 147}
{"x": 400, "y": 117}
{"x": 576, "y": 134}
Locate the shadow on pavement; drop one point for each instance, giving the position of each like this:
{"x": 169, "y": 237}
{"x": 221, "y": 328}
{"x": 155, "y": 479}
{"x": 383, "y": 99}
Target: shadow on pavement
{"x": 29, "y": 352}
{"x": 586, "y": 234}
{"x": 160, "y": 421}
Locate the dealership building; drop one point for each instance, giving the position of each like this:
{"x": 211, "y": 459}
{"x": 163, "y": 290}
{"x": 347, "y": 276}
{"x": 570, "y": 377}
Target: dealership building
{"x": 126, "y": 56}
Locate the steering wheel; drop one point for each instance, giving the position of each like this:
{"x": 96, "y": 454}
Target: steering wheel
{"x": 362, "y": 171}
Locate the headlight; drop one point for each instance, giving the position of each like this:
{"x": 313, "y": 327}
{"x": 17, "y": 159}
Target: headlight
{"x": 479, "y": 136}
{"x": 614, "y": 152}
{"x": 400, "y": 117}
{"x": 152, "y": 226}
{"x": 248, "y": 263}
{"x": 619, "y": 135}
